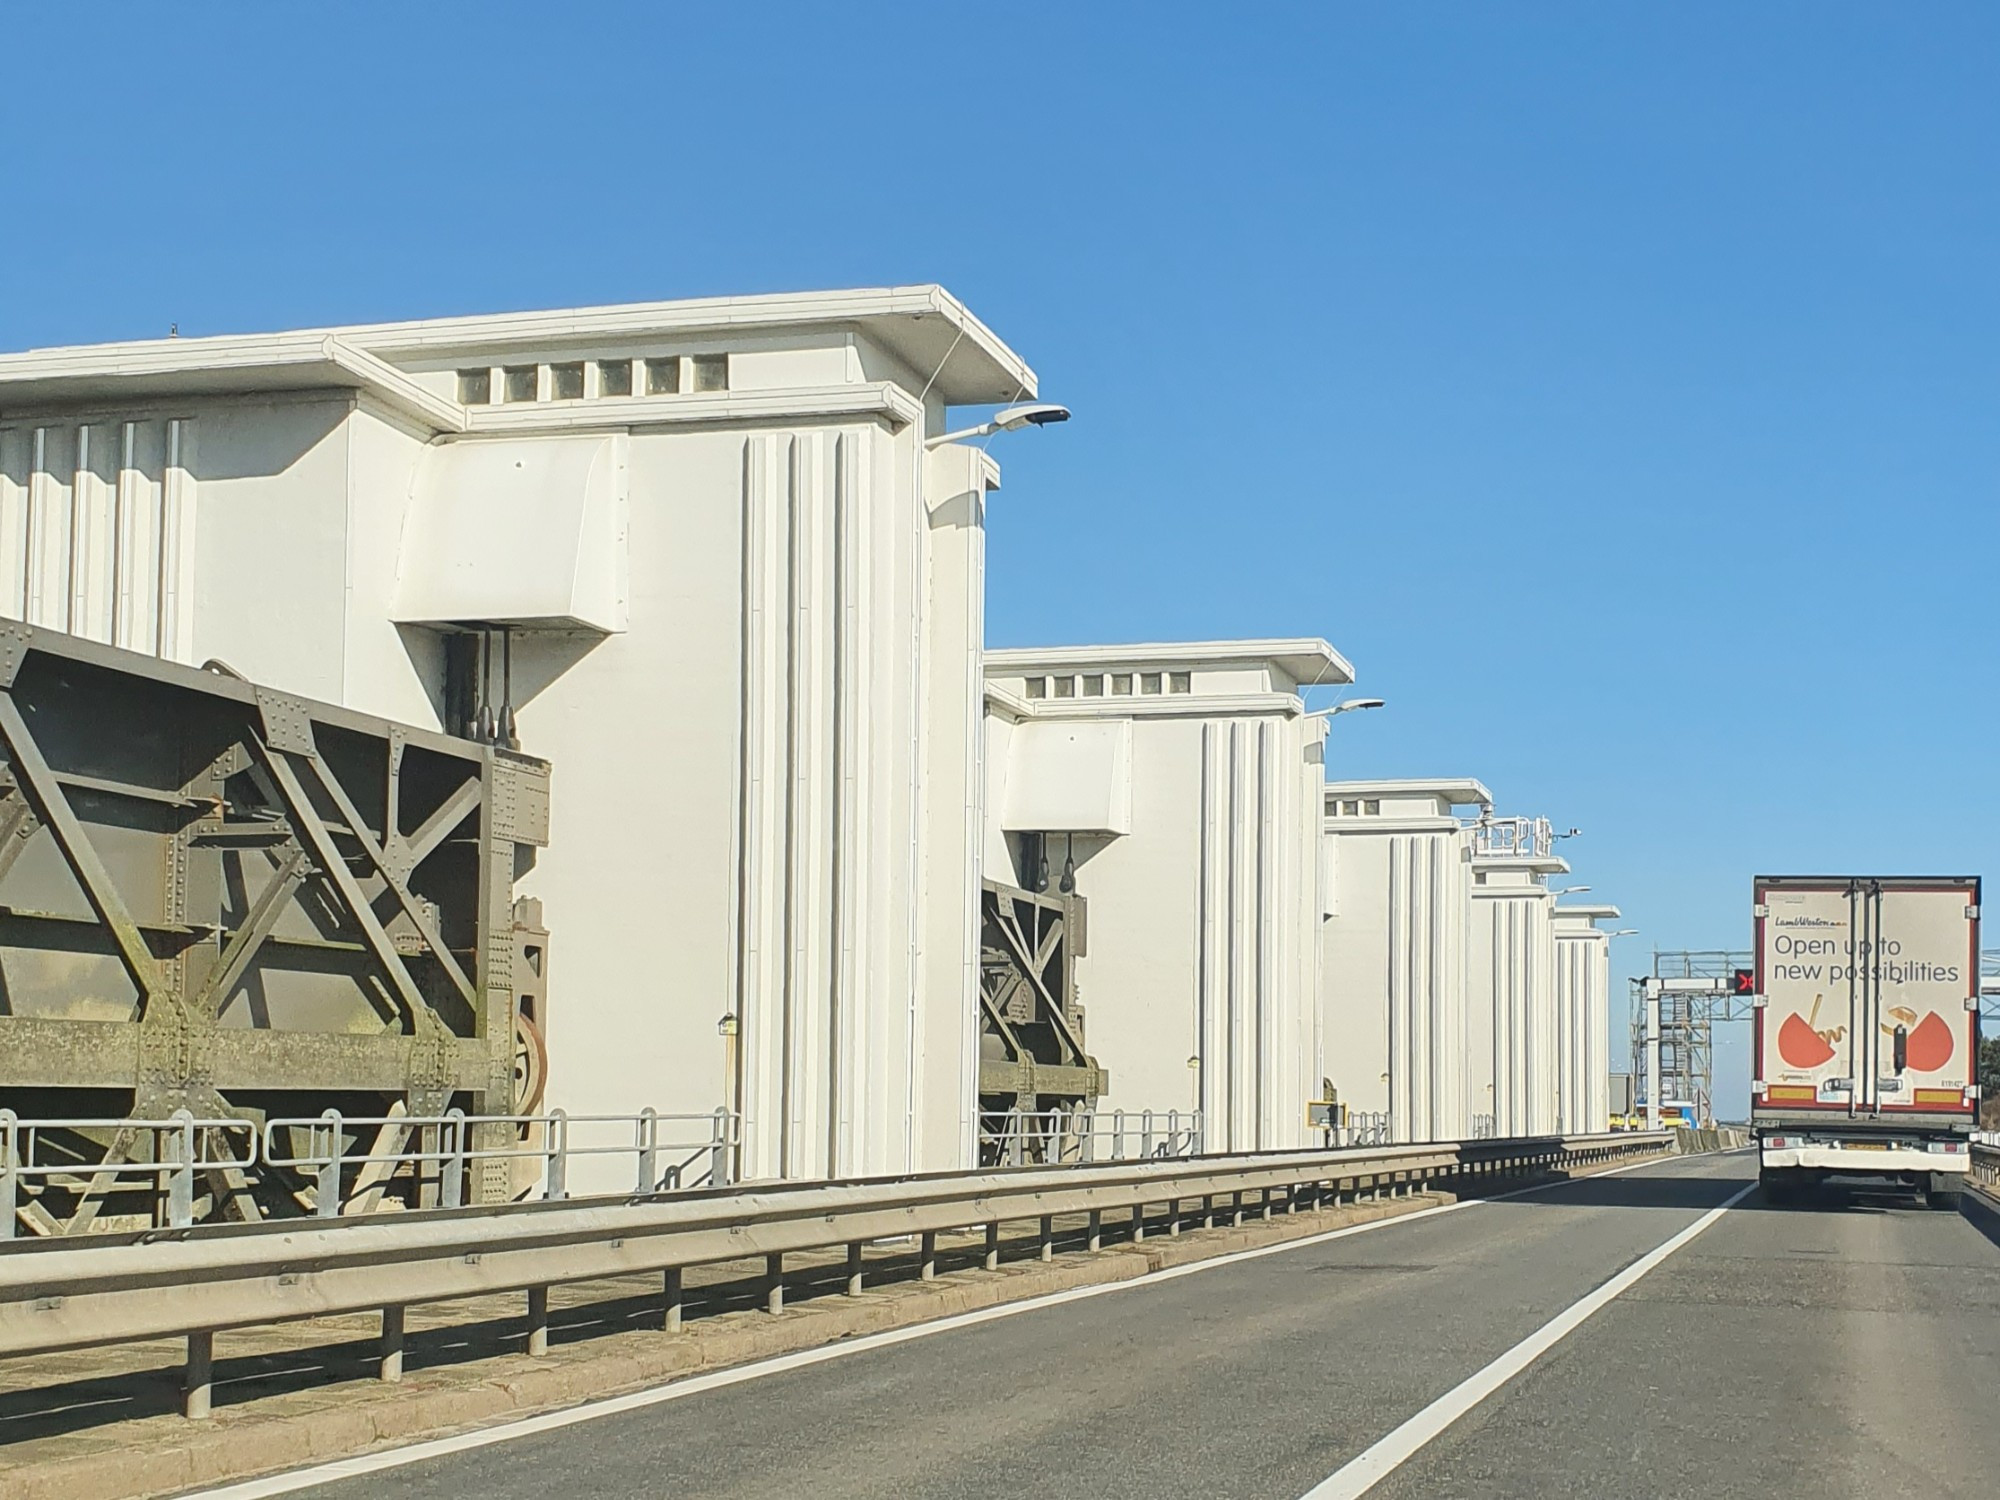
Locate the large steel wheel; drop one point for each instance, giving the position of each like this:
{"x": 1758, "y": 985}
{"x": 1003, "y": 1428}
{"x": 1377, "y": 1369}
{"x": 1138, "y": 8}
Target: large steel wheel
{"x": 531, "y": 1065}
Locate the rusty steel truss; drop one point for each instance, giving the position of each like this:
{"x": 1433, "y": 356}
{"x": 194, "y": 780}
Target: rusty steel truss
{"x": 225, "y": 900}
{"x": 1032, "y": 1057}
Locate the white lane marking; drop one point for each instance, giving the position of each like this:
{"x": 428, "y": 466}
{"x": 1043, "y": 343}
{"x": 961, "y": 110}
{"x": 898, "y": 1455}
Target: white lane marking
{"x": 1369, "y": 1468}
{"x": 694, "y": 1385}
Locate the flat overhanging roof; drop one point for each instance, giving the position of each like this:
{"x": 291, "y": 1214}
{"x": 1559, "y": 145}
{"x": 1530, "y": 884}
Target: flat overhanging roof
{"x": 1307, "y": 660}
{"x": 235, "y": 364}
{"x": 1538, "y": 864}
{"x": 925, "y": 326}
{"x": 1589, "y": 912}
{"x": 1460, "y": 791}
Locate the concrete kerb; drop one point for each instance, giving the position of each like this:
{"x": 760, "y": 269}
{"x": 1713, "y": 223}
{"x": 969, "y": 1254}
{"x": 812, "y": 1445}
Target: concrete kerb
{"x": 162, "y": 1455}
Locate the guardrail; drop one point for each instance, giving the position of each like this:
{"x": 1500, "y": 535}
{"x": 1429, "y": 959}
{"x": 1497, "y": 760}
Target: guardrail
{"x": 1986, "y": 1158}
{"x": 190, "y": 1283}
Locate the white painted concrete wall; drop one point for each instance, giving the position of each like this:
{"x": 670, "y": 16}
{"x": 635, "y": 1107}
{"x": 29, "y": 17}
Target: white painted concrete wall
{"x": 768, "y": 793}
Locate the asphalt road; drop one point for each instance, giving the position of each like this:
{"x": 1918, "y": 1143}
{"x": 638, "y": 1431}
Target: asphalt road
{"x": 1839, "y": 1349}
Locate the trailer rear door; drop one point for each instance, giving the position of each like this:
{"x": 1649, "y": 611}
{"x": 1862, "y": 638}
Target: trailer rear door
{"x": 1869, "y": 995}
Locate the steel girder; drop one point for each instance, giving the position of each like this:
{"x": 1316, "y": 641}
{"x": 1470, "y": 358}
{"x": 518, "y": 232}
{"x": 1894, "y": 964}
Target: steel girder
{"x": 225, "y": 899}
{"x": 1032, "y": 1053}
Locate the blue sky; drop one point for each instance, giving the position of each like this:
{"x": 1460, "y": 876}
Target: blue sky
{"x": 1614, "y": 385}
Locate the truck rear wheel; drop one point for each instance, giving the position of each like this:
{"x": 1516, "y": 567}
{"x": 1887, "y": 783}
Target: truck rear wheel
{"x": 1943, "y": 1191}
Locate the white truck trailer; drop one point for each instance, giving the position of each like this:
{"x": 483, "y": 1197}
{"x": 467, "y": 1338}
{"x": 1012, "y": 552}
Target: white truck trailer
{"x": 1866, "y": 1031}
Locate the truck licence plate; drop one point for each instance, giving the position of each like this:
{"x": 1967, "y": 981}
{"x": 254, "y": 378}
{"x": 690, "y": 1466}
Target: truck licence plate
{"x": 1866, "y": 1146}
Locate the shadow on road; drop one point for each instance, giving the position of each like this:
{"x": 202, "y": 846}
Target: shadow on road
{"x": 1634, "y": 1191}
{"x": 1978, "y": 1211}
{"x": 1697, "y": 1193}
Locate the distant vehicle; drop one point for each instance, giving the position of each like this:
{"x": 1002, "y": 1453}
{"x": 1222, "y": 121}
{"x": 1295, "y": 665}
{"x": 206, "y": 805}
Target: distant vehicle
{"x": 1866, "y": 1031}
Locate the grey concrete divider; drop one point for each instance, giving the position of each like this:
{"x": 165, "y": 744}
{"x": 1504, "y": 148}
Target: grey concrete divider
{"x": 191, "y": 1283}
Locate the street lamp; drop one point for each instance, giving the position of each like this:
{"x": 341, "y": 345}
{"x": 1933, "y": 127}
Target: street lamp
{"x": 1570, "y": 890}
{"x": 1013, "y": 419}
{"x": 1348, "y": 707}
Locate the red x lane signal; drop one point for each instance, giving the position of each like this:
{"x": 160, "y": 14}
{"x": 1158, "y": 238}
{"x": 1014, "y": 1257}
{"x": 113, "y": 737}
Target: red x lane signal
{"x": 1743, "y": 981}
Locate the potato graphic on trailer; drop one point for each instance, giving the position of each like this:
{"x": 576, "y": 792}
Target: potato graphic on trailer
{"x": 1930, "y": 1043}
{"x": 1799, "y": 1044}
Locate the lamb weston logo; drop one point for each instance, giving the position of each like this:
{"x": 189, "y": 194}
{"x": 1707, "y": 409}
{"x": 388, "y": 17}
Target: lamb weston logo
{"x": 1806, "y": 922}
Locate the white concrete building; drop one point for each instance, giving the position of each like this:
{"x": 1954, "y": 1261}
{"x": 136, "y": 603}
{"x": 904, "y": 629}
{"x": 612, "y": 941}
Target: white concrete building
{"x": 1583, "y": 1017}
{"x": 1183, "y": 782}
{"x": 1394, "y": 987}
{"x": 1513, "y": 1034}
{"x": 742, "y": 606}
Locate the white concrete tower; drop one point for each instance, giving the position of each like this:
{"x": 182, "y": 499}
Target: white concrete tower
{"x": 742, "y": 602}
{"x": 1184, "y": 781}
{"x": 1583, "y": 1015}
{"x": 1393, "y": 985}
{"x": 1513, "y": 1033}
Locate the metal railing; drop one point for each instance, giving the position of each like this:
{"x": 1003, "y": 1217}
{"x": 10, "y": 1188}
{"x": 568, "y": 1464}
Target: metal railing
{"x": 1519, "y": 837}
{"x": 1037, "y": 1138}
{"x": 450, "y": 1147}
{"x": 1364, "y": 1127}
{"x": 360, "y": 1164}
{"x": 164, "y": 1155}
{"x": 1022, "y": 1138}
{"x": 57, "y": 1294}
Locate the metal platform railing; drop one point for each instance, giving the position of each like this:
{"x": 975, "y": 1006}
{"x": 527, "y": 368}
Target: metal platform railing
{"x": 164, "y": 1155}
{"x": 1364, "y": 1127}
{"x": 349, "y": 1164}
{"x": 1023, "y": 1138}
{"x": 1524, "y": 838}
{"x": 660, "y": 1156}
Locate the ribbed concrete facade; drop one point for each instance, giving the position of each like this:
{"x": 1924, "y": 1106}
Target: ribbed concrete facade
{"x": 96, "y": 529}
{"x": 1201, "y": 871}
{"x": 1513, "y": 993}
{"x": 1583, "y": 1017}
{"x": 1393, "y": 985}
